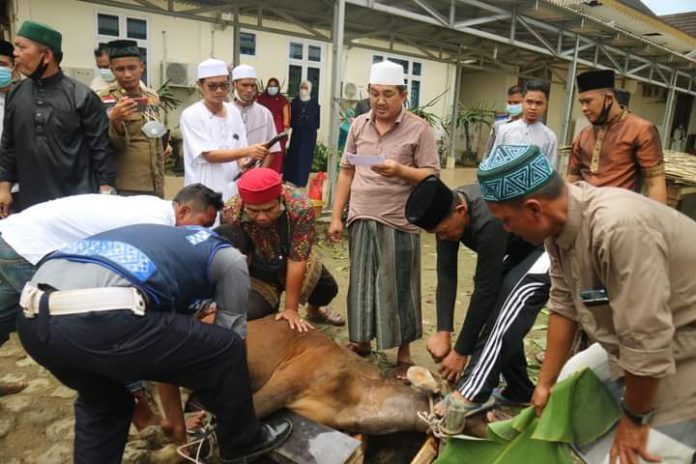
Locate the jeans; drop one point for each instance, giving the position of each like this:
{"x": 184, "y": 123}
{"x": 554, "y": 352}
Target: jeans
{"x": 96, "y": 353}
{"x": 15, "y": 271}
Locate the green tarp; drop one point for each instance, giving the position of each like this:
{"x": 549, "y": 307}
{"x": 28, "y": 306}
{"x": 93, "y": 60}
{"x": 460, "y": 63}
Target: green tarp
{"x": 580, "y": 410}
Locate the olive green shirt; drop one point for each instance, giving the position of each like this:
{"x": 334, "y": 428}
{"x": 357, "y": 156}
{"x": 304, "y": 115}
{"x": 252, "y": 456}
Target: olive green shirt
{"x": 644, "y": 255}
{"x": 139, "y": 160}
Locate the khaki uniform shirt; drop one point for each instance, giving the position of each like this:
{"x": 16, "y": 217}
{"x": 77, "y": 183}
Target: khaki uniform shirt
{"x": 644, "y": 255}
{"x": 139, "y": 160}
{"x": 617, "y": 154}
{"x": 411, "y": 142}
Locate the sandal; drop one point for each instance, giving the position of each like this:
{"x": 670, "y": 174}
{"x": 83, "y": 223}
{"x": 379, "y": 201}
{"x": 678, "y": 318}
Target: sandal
{"x": 324, "y": 316}
{"x": 457, "y": 410}
{"x": 401, "y": 371}
{"x": 358, "y": 349}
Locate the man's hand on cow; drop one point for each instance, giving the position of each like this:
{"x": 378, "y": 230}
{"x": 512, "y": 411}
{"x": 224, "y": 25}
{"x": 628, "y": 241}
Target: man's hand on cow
{"x": 540, "y": 397}
{"x": 630, "y": 442}
{"x": 295, "y": 321}
{"x": 439, "y": 345}
{"x": 335, "y": 231}
{"x": 389, "y": 168}
{"x": 453, "y": 366}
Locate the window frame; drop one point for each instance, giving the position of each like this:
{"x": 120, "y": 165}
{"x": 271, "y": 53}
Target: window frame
{"x": 256, "y": 42}
{"x": 306, "y": 63}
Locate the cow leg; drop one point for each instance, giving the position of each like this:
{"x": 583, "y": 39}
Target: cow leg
{"x": 275, "y": 394}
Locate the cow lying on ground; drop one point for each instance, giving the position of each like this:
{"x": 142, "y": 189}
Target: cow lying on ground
{"x": 311, "y": 375}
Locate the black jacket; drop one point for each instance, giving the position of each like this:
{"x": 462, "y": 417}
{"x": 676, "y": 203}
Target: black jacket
{"x": 497, "y": 252}
{"x": 55, "y": 141}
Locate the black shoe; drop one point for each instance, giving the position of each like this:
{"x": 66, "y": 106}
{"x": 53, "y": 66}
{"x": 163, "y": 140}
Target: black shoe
{"x": 272, "y": 435}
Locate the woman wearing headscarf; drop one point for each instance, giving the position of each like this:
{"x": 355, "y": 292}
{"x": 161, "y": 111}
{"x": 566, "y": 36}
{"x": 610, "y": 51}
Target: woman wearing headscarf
{"x": 279, "y": 107}
{"x": 304, "y": 120}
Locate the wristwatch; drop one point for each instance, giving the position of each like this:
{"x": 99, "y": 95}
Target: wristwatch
{"x": 638, "y": 419}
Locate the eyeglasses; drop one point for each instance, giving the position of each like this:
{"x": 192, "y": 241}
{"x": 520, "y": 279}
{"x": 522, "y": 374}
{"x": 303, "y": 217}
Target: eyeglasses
{"x": 213, "y": 86}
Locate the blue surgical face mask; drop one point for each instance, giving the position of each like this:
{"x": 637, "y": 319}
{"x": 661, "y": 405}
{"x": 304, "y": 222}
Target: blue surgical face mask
{"x": 106, "y": 74}
{"x": 273, "y": 91}
{"x": 5, "y": 76}
{"x": 514, "y": 110}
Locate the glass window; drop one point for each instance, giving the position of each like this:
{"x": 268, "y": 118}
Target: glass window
{"x": 415, "y": 94}
{"x": 294, "y": 79}
{"x": 136, "y": 28}
{"x": 313, "y": 75}
{"x": 416, "y": 68}
{"x": 247, "y": 43}
{"x": 296, "y": 50}
{"x": 143, "y": 54}
{"x": 313, "y": 53}
{"x": 107, "y": 25}
{"x": 403, "y": 63}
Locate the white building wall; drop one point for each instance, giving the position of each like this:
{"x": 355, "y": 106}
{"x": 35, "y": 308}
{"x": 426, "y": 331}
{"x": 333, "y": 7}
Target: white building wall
{"x": 178, "y": 40}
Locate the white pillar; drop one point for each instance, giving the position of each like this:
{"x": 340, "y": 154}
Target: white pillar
{"x": 669, "y": 113}
{"x": 570, "y": 95}
{"x": 336, "y": 78}
{"x": 451, "y": 157}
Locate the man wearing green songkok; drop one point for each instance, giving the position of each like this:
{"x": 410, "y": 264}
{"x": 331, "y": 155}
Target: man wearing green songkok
{"x": 55, "y": 141}
{"x": 621, "y": 268}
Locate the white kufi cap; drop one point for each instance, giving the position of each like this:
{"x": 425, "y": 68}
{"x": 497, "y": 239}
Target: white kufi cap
{"x": 212, "y": 68}
{"x": 387, "y": 73}
{"x": 243, "y": 71}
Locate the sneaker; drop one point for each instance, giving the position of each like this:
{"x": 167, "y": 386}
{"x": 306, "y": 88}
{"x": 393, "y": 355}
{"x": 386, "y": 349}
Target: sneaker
{"x": 273, "y": 434}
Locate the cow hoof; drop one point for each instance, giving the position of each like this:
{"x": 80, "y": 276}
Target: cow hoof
{"x": 423, "y": 379}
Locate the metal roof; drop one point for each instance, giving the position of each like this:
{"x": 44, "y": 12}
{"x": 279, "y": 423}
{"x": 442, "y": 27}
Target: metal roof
{"x": 685, "y": 22}
{"x": 523, "y": 36}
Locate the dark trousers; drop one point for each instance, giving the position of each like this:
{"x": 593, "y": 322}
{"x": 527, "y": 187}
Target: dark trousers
{"x": 96, "y": 353}
{"x": 324, "y": 292}
{"x": 500, "y": 347}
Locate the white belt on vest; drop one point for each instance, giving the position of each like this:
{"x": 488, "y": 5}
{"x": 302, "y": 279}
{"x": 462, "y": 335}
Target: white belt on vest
{"x": 63, "y": 302}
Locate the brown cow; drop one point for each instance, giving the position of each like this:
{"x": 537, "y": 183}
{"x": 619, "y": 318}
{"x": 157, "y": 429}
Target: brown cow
{"x": 311, "y": 375}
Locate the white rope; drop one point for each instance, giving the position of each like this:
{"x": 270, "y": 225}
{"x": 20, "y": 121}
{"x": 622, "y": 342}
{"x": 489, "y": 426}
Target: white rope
{"x": 208, "y": 433}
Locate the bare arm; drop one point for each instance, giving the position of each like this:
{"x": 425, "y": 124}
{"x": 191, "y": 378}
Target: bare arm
{"x": 173, "y": 412}
{"x": 559, "y": 339}
{"x": 286, "y": 117}
{"x": 257, "y": 151}
{"x": 345, "y": 179}
{"x": 657, "y": 188}
{"x": 293, "y": 287}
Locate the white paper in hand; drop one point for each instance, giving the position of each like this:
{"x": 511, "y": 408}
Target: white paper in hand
{"x": 364, "y": 160}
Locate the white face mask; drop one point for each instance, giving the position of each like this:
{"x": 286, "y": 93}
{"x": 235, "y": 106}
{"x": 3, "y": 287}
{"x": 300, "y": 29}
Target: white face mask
{"x": 272, "y": 91}
{"x": 304, "y": 92}
{"x": 106, "y": 74}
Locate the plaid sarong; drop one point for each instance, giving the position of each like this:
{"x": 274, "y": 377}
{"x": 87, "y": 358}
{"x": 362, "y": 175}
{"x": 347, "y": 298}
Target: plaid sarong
{"x": 384, "y": 294}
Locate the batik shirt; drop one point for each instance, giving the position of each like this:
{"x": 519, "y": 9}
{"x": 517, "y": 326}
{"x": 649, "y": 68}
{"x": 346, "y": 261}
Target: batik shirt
{"x": 267, "y": 241}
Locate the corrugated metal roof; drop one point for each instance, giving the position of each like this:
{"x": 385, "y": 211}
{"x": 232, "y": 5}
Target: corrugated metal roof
{"x": 685, "y": 22}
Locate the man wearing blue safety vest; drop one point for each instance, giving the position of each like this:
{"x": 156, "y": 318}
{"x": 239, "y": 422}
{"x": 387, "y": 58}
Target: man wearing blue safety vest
{"x": 117, "y": 307}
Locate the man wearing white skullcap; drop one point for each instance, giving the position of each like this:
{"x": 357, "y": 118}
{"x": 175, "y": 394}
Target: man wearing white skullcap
{"x": 384, "y": 292}
{"x": 214, "y": 135}
{"x": 258, "y": 120}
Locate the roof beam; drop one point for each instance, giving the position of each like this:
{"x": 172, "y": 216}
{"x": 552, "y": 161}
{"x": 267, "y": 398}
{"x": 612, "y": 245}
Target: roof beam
{"x": 432, "y": 12}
